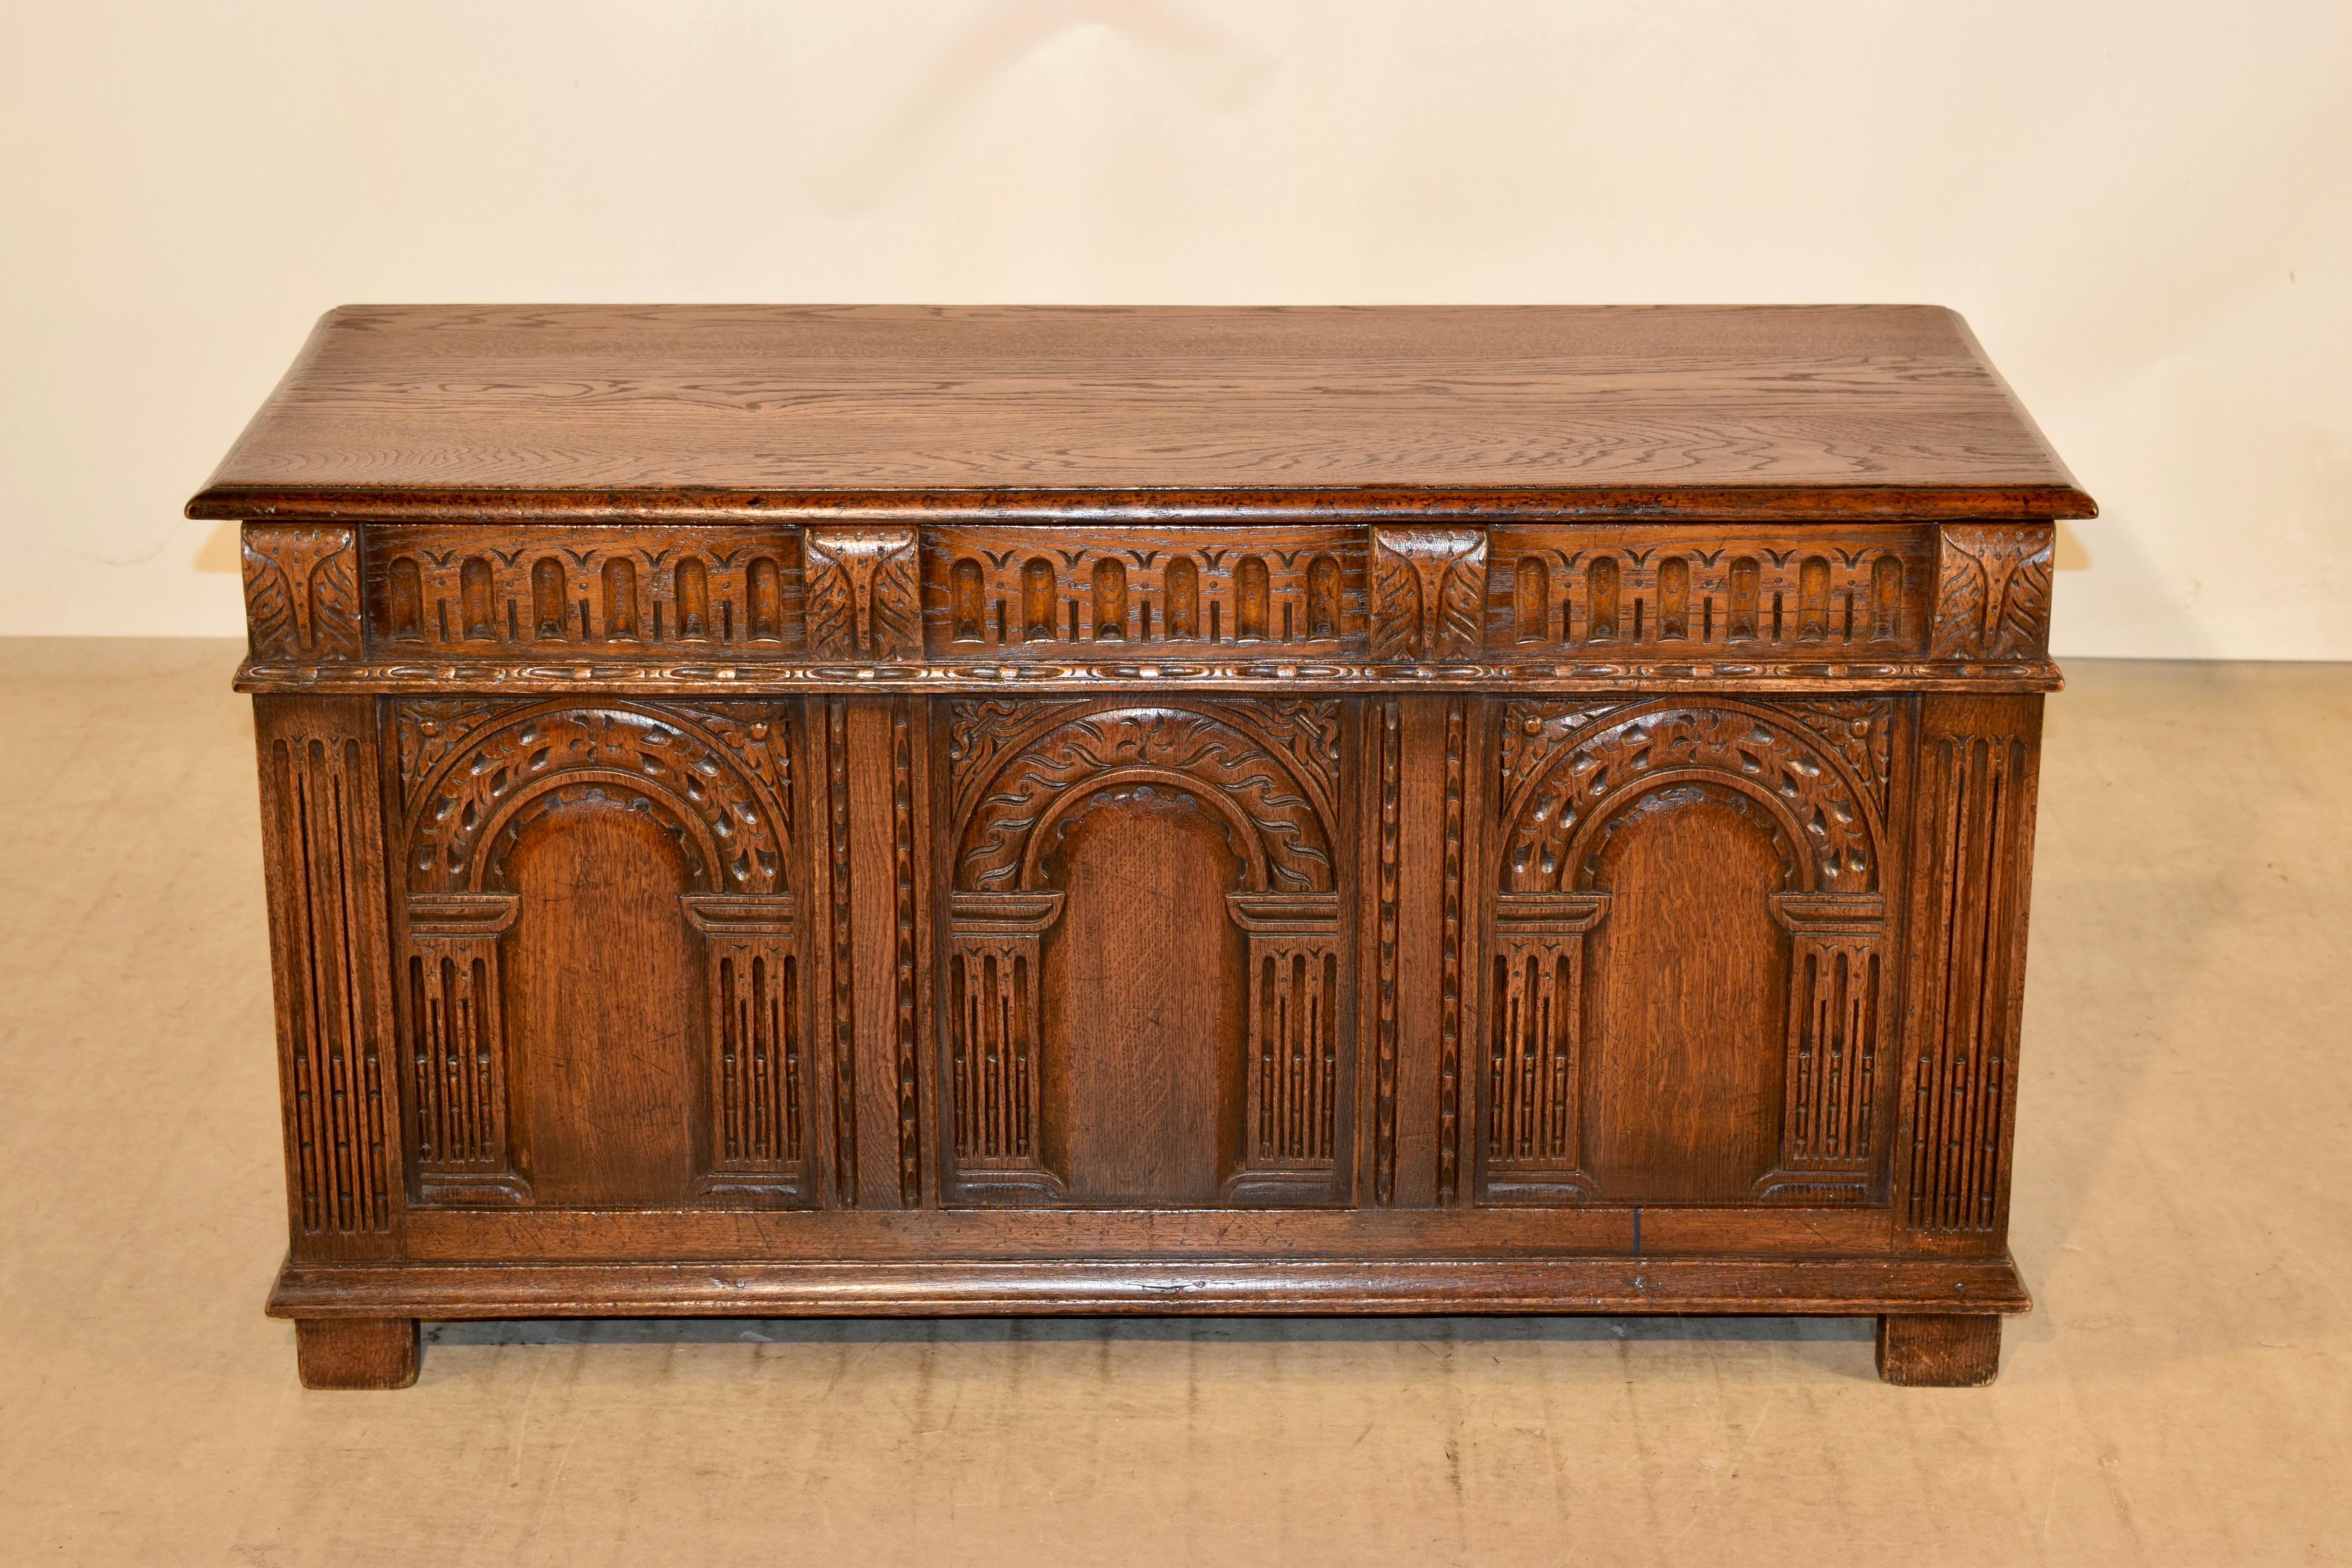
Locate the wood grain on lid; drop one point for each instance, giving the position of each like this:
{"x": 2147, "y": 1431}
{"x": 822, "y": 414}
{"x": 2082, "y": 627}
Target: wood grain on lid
{"x": 579, "y": 412}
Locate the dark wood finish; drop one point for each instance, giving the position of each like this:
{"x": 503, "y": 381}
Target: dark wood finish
{"x": 1927, "y": 1350}
{"x": 823, "y": 811}
{"x": 520, "y": 413}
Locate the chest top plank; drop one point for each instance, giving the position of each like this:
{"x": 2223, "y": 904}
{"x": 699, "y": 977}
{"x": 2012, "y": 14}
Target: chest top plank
{"x": 571, "y": 413}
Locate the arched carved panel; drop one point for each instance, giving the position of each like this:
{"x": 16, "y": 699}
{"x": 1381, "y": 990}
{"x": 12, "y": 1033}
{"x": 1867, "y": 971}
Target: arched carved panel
{"x": 1812, "y": 779}
{"x": 1048, "y": 799}
{"x": 481, "y": 780}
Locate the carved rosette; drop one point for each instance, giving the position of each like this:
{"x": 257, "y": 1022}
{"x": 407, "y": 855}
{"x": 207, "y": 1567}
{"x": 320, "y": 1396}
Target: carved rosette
{"x": 1021, "y": 773}
{"x": 301, "y": 592}
{"x": 864, "y": 597}
{"x": 1815, "y": 782}
{"x": 716, "y": 779}
{"x": 1992, "y": 593}
{"x": 1429, "y": 593}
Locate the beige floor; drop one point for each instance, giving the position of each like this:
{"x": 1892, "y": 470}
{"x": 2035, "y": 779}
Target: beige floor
{"x": 2183, "y": 1394}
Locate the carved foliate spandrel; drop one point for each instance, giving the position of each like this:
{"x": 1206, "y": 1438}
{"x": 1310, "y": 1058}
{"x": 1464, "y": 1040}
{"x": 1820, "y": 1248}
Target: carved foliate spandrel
{"x": 1534, "y": 731}
{"x": 1429, "y": 593}
{"x": 301, "y": 592}
{"x": 1992, "y": 594}
{"x": 863, "y": 597}
{"x": 1861, "y": 730}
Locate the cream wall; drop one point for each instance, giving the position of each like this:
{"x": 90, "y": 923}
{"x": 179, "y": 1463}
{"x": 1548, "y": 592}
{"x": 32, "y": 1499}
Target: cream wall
{"x": 2144, "y": 209}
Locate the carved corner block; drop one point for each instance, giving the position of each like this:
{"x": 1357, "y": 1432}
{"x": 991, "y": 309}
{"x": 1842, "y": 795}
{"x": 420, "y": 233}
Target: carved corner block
{"x": 863, "y": 600}
{"x": 1992, "y": 592}
{"x": 1429, "y": 593}
{"x": 301, "y": 592}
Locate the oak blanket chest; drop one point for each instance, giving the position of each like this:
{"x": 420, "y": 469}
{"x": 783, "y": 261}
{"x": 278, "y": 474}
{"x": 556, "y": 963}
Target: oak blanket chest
{"x": 791, "y": 810}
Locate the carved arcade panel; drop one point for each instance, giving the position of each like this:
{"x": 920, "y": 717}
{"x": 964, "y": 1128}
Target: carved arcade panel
{"x": 1821, "y": 592}
{"x": 548, "y": 847}
{"x": 1689, "y": 998}
{"x": 1147, "y": 985}
{"x": 1012, "y": 593}
{"x": 496, "y": 594}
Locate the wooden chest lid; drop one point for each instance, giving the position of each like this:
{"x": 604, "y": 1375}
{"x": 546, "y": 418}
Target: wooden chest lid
{"x": 578, "y": 413}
